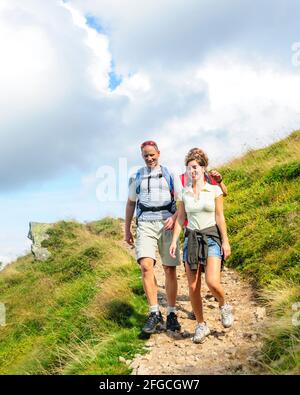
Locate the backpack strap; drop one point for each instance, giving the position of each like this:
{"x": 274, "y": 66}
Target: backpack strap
{"x": 168, "y": 177}
{"x": 170, "y": 181}
{"x": 207, "y": 177}
{"x": 138, "y": 180}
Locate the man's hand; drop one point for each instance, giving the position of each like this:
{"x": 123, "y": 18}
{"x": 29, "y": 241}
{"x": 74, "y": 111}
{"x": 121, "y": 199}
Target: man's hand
{"x": 129, "y": 238}
{"x": 216, "y": 175}
{"x": 169, "y": 223}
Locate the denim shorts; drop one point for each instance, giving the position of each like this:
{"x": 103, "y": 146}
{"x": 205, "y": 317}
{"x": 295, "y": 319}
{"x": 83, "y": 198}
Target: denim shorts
{"x": 213, "y": 249}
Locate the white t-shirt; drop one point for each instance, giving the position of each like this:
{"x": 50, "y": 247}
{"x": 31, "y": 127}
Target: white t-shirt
{"x": 200, "y": 211}
{"x": 158, "y": 193}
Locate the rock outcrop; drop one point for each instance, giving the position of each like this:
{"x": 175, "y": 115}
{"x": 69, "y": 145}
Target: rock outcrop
{"x": 37, "y": 233}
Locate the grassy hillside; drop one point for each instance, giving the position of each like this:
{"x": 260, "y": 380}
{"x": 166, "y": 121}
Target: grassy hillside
{"x": 83, "y": 307}
{"x": 263, "y": 217}
{"x": 77, "y": 312}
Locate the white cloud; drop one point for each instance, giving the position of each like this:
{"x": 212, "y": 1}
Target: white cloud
{"x": 54, "y": 85}
{"x": 100, "y": 64}
{"x": 173, "y": 34}
{"x": 213, "y": 74}
{"x": 27, "y": 56}
{"x": 134, "y": 87}
{"x": 249, "y": 106}
{"x": 55, "y": 77}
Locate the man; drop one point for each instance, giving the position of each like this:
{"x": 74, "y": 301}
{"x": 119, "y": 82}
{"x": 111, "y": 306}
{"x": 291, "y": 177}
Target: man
{"x": 153, "y": 192}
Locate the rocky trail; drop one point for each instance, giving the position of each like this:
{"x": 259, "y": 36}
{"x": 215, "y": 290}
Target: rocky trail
{"x": 225, "y": 351}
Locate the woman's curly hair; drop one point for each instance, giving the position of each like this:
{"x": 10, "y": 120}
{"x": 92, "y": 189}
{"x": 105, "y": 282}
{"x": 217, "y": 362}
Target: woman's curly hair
{"x": 198, "y": 155}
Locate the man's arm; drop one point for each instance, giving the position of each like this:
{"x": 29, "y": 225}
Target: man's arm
{"x": 218, "y": 178}
{"x": 130, "y": 207}
{"x": 224, "y": 188}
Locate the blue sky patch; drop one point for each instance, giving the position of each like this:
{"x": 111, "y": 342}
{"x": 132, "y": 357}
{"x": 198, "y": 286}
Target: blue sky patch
{"x": 114, "y": 80}
{"x": 94, "y": 23}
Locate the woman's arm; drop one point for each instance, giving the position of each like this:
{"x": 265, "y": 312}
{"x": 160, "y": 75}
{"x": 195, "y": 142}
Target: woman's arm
{"x": 181, "y": 217}
{"x": 220, "y": 220}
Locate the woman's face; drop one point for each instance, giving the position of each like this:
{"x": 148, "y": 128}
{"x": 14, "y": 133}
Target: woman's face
{"x": 150, "y": 156}
{"x": 194, "y": 170}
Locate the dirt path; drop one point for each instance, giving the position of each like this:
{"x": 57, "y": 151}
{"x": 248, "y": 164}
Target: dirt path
{"x": 225, "y": 351}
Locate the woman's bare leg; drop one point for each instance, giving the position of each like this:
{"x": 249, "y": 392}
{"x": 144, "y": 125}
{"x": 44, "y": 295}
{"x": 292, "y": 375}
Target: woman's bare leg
{"x": 194, "y": 281}
{"x": 213, "y": 278}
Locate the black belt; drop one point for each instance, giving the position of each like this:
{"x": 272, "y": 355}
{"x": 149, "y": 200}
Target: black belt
{"x": 157, "y": 208}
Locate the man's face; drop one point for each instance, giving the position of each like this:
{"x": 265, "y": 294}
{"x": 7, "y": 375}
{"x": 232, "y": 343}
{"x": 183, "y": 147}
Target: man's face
{"x": 150, "y": 156}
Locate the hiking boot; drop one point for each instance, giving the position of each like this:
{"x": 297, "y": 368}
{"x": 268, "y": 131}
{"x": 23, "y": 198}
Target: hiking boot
{"x": 201, "y": 331}
{"x": 226, "y": 315}
{"x": 172, "y": 323}
{"x": 154, "y": 323}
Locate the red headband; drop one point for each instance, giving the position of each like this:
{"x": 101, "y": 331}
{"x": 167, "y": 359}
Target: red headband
{"x": 150, "y": 142}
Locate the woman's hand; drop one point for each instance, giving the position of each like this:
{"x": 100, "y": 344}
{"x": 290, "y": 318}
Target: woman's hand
{"x": 172, "y": 249}
{"x": 226, "y": 249}
{"x": 129, "y": 238}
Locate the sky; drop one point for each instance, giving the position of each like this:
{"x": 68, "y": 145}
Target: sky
{"x": 84, "y": 82}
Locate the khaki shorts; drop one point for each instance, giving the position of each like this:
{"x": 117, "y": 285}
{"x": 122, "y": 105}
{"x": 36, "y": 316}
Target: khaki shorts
{"x": 151, "y": 236}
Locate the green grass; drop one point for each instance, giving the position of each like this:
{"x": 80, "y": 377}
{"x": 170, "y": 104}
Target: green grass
{"x": 76, "y": 312}
{"x": 263, "y": 217}
{"x": 107, "y": 227}
{"x": 82, "y": 308}
{"x": 281, "y": 350}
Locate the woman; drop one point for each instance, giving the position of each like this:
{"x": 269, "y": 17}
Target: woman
{"x": 206, "y": 244}
{"x": 212, "y": 177}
